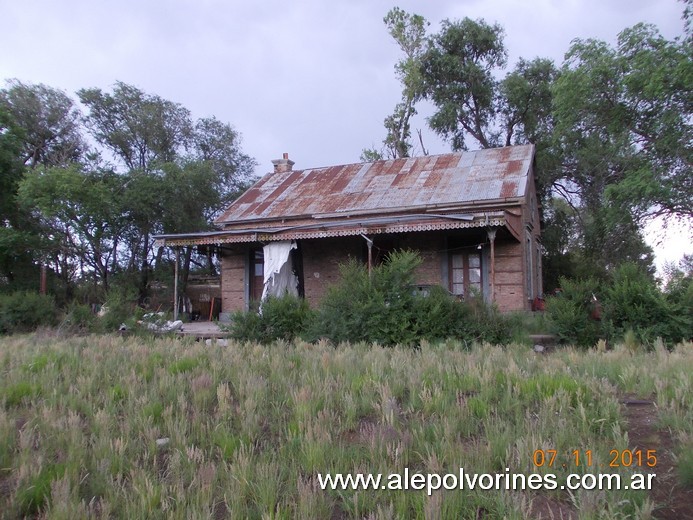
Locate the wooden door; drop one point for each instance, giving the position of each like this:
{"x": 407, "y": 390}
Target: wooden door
{"x": 257, "y": 271}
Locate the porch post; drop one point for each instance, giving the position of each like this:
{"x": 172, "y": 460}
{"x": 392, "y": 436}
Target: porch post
{"x": 175, "y": 285}
{"x": 492, "y": 238}
{"x": 369, "y": 243}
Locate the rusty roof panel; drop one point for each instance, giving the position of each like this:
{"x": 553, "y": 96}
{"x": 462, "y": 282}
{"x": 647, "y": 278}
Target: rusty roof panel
{"x": 455, "y": 178}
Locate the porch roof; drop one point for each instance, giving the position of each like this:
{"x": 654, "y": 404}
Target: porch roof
{"x": 342, "y": 227}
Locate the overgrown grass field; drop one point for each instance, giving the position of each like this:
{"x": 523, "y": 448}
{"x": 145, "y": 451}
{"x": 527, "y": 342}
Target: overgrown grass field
{"x": 250, "y": 426}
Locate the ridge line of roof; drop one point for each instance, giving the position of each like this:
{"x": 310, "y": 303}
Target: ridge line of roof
{"x": 459, "y": 152}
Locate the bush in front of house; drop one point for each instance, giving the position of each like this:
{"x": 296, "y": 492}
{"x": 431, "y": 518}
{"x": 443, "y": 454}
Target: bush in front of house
{"x": 384, "y": 308}
{"x": 439, "y": 316}
{"x": 376, "y": 308}
{"x": 26, "y": 311}
{"x": 281, "y": 318}
{"x": 79, "y": 318}
{"x": 120, "y": 308}
{"x": 571, "y": 314}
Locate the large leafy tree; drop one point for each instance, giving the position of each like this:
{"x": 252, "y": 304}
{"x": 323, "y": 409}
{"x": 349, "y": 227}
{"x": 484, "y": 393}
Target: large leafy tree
{"x": 17, "y": 238}
{"x": 49, "y": 122}
{"x": 458, "y": 74}
{"x": 218, "y": 146}
{"x": 46, "y": 132}
{"x": 612, "y": 129}
{"x": 140, "y": 129}
{"x": 624, "y": 123}
{"x": 40, "y": 128}
{"x": 180, "y": 171}
{"x": 82, "y": 215}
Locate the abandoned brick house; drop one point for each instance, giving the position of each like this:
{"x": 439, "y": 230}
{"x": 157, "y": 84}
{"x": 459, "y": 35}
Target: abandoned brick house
{"x": 472, "y": 216}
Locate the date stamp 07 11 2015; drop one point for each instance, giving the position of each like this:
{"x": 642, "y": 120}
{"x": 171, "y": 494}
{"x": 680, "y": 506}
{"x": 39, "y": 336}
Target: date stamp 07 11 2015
{"x": 576, "y": 458}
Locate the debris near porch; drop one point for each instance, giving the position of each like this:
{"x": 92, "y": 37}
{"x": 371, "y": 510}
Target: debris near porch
{"x": 543, "y": 342}
{"x": 157, "y": 322}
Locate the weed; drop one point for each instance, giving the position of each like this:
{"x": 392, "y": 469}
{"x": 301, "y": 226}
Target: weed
{"x": 34, "y": 494}
{"x": 13, "y": 395}
{"x": 185, "y": 364}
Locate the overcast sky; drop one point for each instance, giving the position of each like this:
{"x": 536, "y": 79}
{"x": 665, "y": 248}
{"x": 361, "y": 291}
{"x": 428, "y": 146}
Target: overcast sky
{"x": 313, "y": 78}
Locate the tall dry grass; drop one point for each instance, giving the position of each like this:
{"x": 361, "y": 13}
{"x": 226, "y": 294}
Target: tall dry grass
{"x": 249, "y": 426}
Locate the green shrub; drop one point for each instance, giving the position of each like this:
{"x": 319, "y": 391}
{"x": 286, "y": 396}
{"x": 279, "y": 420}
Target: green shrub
{"x": 14, "y": 394}
{"x": 246, "y": 326}
{"x": 182, "y": 365}
{"x": 634, "y": 303}
{"x": 487, "y": 323}
{"x": 569, "y": 314}
{"x": 280, "y": 318}
{"x": 377, "y": 308}
{"x": 120, "y": 307}
{"x": 385, "y": 308}
{"x": 80, "y": 318}
{"x": 26, "y": 311}
{"x": 679, "y": 295}
{"x": 441, "y": 316}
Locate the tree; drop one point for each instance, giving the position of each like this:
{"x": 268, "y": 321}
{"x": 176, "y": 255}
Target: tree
{"x": 458, "y": 77}
{"x": 624, "y": 123}
{"x": 81, "y": 212}
{"x": 49, "y": 121}
{"x": 524, "y": 99}
{"x": 611, "y": 129}
{"x": 409, "y": 32}
{"x": 179, "y": 172}
{"x": 17, "y": 238}
{"x": 218, "y": 145}
{"x": 141, "y": 130}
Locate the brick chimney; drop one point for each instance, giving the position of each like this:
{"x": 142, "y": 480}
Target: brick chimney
{"x": 283, "y": 165}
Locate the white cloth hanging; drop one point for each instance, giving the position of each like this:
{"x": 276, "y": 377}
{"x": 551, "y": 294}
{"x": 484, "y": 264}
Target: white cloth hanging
{"x": 279, "y": 278}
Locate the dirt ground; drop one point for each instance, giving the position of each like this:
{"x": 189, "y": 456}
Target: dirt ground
{"x": 674, "y": 502}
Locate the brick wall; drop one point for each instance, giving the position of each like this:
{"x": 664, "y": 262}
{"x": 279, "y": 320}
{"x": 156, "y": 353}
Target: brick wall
{"x": 430, "y": 246}
{"x": 321, "y": 259}
{"x": 509, "y": 276}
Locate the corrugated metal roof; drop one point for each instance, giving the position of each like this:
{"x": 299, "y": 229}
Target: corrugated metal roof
{"x": 370, "y": 226}
{"x": 420, "y": 182}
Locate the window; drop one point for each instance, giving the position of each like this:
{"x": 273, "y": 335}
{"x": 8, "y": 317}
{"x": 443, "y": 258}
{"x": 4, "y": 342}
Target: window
{"x": 465, "y": 273}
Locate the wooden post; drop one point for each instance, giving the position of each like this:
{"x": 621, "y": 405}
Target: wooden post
{"x": 175, "y": 286}
{"x": 43, "y": 287}
{"x": 492, "y": 239}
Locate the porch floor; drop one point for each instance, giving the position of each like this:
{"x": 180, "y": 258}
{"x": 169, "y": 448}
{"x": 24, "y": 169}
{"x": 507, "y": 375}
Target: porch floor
{"x": 202, "y": 329}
